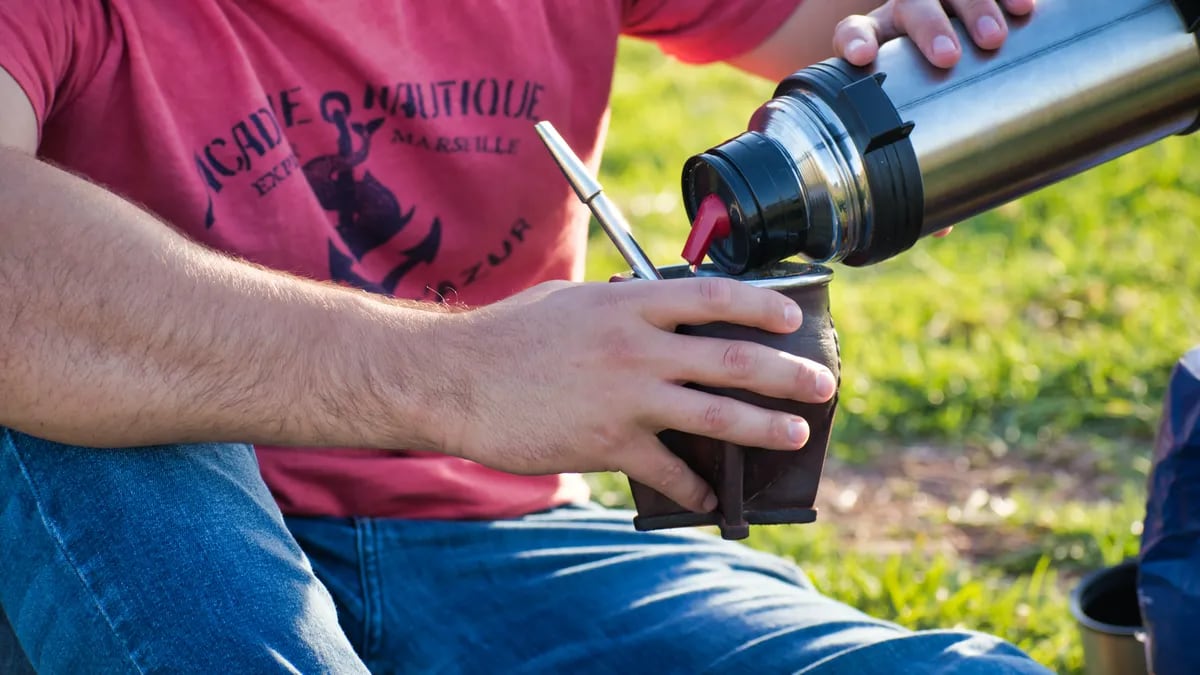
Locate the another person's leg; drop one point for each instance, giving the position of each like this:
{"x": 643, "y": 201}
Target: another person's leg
{"x": 166, "y": 559}
{"x": 577, "y": 590}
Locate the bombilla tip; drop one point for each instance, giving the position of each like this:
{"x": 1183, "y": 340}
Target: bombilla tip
{"x": 546, "y": 131}
{"x": 581, "y": 180}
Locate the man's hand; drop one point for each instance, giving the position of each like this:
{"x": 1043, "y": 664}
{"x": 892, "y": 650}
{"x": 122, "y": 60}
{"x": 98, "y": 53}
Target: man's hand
{"x": 580, "y": 377}
{"x": 857, "y": 38}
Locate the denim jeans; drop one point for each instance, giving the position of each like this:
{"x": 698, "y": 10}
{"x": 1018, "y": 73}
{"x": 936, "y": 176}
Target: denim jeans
{"x": 175, "y": 559}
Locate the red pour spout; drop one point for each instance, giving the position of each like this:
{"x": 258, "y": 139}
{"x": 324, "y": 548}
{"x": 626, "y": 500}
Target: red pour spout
{"x": 711, "y": 223}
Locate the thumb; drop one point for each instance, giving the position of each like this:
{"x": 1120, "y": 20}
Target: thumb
{"x": 856, "y": 39}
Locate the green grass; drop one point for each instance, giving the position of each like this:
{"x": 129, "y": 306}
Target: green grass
{"x": 1044, "y": 330}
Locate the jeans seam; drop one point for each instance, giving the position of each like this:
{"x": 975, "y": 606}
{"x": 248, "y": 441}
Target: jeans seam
{"x": 62, "y": 549}
{"x": 364, "y": 529}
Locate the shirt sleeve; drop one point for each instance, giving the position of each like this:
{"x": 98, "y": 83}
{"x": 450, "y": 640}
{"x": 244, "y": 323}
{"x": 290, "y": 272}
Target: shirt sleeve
{"x": 52, "y": 48}
{"x": 705, "y": 31}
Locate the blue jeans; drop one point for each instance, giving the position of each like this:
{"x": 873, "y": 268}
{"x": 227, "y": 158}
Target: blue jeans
{"x": 175, "y": 559}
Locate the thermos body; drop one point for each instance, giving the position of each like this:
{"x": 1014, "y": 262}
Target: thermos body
{"x": 1080, "y": 83}
{"x": 854, "y": 165}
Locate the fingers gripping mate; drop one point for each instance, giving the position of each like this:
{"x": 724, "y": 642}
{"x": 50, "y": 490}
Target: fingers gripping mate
{"x": 621, "y": 372}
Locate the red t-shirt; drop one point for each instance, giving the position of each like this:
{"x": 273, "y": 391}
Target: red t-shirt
{"x": 385, "y": 145}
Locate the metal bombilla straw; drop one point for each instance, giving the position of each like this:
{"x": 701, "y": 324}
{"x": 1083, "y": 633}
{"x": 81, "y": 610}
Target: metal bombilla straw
{"x": 590, "y": 193}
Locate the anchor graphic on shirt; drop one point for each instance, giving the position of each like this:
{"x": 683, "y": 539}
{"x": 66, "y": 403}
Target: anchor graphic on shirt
{"x": 368, "y": 214}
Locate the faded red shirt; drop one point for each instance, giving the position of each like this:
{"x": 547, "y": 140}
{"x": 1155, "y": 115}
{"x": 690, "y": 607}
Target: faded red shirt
{"x": 385, "y": 145}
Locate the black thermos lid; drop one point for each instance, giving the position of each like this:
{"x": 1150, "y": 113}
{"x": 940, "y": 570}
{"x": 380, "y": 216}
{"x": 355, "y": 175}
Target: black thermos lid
{"x": 756, "y": 180}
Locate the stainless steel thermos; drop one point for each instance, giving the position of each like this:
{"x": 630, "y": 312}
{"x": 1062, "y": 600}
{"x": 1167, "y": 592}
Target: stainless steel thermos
{"x": 854, "y": 165}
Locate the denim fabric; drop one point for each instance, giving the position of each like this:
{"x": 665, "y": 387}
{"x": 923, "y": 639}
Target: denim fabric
{"x": 175, "y": 560}
{"x": 169, "y": 559}
{"x": 578, "y": 590}
{"x": 12, "y": 659}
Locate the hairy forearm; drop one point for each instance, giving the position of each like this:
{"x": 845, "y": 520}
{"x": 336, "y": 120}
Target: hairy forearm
{"x": 116, "y": 331}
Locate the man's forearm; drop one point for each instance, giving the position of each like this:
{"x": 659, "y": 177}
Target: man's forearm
{"x": 116, "y": 331}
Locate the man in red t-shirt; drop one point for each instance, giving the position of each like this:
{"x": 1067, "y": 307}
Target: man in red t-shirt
{"x": 415, "y": 454}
